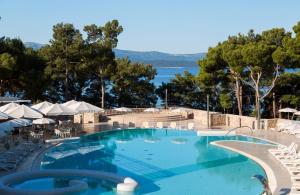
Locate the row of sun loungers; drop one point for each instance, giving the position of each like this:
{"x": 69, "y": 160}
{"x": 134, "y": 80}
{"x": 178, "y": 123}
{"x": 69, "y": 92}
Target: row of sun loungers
{"x": 290, "y": 159}
{"x": 288, "y": 127}
{"x": 62, "y": 133}
{"x": 172, "y": 125}
{"x": 9, "y": 160}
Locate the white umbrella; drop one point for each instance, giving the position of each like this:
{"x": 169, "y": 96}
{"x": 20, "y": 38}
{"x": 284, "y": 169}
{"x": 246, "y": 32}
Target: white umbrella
{"x": 41, "y": 105}
{"x": 4, "y": 116}
{"x": 24, "y": 112}
{"x": 58, "y": 109}
{"x": 43, "y": 121}
{"x": 288, "y": 110}
{"x": 10, "y": 125}
{"x": 69, "y": 103}
{"x": 85, "y": 107}
{"x": 8, "y": 107}
{"x": 123, "y": 109}
{"x": 151, "y": 110}
{"x": 297, "y": 113}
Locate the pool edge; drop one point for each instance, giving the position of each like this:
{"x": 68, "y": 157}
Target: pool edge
{"x": 268, "y": 170}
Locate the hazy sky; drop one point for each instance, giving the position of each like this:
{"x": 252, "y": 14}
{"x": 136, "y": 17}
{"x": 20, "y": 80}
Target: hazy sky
{"x": 175, "y": 26}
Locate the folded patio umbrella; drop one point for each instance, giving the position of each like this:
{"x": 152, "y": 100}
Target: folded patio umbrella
{"x": 85, "y": 107}
{"x": 8, "y": 107}
{"x": 57, "y": 110}
{"x": 41, "y": 105}
{"x": 23, "y": 111}
{"x": 43, "y": 121}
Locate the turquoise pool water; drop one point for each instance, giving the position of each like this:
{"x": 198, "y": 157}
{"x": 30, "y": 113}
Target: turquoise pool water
{"x": 161, "y": 161}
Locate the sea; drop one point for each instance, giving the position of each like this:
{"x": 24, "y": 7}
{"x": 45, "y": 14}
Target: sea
{"x": 165, "y": 74}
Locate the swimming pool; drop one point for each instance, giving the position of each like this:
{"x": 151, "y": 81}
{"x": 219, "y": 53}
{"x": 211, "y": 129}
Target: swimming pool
{"x": 161, "y": 161}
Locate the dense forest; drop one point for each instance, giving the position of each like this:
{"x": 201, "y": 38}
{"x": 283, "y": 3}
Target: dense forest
{"x": 247, "y": 74}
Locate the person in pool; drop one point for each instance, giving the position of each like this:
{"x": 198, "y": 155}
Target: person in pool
{"x": 265, "y": 184}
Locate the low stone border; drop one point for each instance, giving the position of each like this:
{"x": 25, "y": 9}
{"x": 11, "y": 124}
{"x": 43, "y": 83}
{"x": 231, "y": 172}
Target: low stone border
{"x": 269, "y": 172}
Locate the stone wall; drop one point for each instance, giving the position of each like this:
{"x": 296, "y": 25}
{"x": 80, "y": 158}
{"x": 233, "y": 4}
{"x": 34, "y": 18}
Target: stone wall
{"x": 87, "y": 117}
{"x": 218, "y": 120}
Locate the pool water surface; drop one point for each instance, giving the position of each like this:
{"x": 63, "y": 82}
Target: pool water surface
{"x": 161, "y": 161}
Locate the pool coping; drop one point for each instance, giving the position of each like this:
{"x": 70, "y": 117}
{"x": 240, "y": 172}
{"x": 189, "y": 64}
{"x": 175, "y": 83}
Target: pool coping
{"x": 268, "y": 170}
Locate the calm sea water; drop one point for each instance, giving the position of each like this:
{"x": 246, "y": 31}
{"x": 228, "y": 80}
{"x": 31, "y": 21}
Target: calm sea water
{"x": 165, "y": 74}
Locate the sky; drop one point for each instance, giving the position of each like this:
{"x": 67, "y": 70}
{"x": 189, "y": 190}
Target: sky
{"x": 173, "y": 26}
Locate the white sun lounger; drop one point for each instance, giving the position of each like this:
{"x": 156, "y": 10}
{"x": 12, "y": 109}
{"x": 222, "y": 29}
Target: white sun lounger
{"x": 173, "y": 125}
{"x": 191, "y": 126}
{"x": 289, "y": 153}
{"x": 145, "y": 125}
{"x": 160, "y": 125}
{"x": 281, "y": 148}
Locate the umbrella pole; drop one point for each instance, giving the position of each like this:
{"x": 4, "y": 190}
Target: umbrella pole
{"x": 288, "y": 115}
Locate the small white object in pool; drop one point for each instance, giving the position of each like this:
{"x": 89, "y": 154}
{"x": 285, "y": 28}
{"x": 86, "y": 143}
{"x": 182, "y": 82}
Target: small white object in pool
{"x": 128, "y": 185}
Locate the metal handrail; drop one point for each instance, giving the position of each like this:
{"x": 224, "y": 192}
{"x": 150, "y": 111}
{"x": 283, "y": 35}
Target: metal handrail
{"x": 238, "y": 128}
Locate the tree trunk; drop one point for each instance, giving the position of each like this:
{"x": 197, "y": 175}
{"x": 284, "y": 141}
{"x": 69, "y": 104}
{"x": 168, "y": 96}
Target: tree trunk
{"x": 274, "y": 106}
{"x": 238, "y": 96}
{"x": 280, "y": 107}
{"x": 1, "y": 88}
{"x": 257, "y": 107}
{"x": 102, "y": 93}
{"x": 66, "y": 85}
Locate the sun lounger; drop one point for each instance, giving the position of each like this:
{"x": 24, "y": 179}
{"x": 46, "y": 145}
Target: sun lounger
{"x": 160, "y": 125}
{"x": 145, "y": 125}
{"x": 285, "y": 152}
{"x": 173, "y": 125}
{"x": 282, "y": 148}
{"x": 191, "y": 126}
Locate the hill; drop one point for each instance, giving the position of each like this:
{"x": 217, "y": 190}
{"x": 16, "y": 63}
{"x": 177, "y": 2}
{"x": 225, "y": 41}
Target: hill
{"x": 157, "y": 59}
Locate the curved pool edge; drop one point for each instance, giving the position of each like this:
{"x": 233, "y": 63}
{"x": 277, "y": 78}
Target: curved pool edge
{"x": 36, "y": 163}
{"x": 271, "y": 174}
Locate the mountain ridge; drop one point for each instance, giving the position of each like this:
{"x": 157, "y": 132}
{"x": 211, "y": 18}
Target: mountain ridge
{"x": 156, "y": 58}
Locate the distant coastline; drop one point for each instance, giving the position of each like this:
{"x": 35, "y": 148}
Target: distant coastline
{"x": 171, "y": 67}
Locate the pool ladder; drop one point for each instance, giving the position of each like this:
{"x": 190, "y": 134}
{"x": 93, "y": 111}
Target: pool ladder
{"x": 229, "y": 131}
